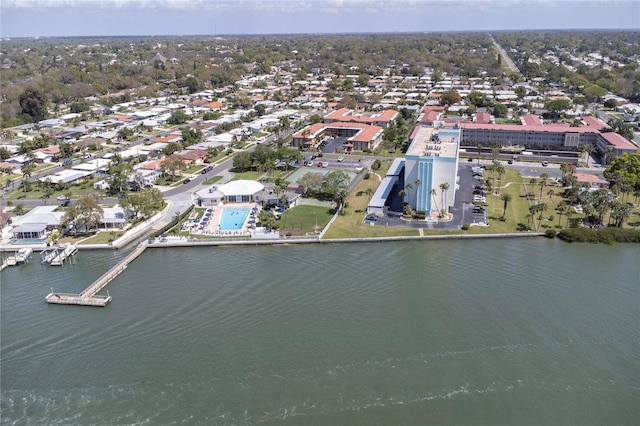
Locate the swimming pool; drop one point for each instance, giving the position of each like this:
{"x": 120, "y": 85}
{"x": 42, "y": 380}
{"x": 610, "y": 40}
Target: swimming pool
{"x": 233, "y": 218}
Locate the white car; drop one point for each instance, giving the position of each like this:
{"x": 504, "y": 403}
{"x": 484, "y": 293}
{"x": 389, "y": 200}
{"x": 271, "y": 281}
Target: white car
{"x": 340, "y": 159}
{"x": 61, "y": 198}
{"x": 479, "y": 199}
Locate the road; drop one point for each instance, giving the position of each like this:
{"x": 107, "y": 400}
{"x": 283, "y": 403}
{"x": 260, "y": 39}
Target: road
{"x": 506, "y": 57}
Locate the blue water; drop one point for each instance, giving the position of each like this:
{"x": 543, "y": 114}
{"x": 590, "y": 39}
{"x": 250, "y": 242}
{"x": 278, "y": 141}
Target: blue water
{"x": 30, "y": 241}
{"x": 233, "y": 218}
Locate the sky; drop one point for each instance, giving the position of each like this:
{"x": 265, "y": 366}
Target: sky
{"x": 46, "y": 18}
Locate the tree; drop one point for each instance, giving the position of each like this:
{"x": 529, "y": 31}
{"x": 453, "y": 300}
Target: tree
{"x": 27, "y": 172}
{"x": 450, "y": 98}
{"x": 521, "y": 92}
{"x": 311, "y": 182}
{"x": 193, "y": 85}
{"x": 267, "y": 219}
{"x": 172, "y": 166}
{"x": 588, "y": 149}
{"x": 506, "y": 198}
{"x": 625, "y": 168}
{"x": 335, "y": 185}
{"x": 443, "y": 188}
{"x": 47, "y": 190}
{"x": 556, "y": 106}
{"x": 433, "y": 194}
{"x": 144, "y": 203}
{"x": 83, "y": 213}
{"x": 242, "y": 161}
{"x": 4, "y": 153}
{"x": 477, "y": 98}
{"x": 611, "y": 104}
{"x": 500, "y": 110}
{"x": 33, "y": 102}
{"x": 543, "y": 182}
{"x": 119, "y": 172}
{"x": 178, "y": 117}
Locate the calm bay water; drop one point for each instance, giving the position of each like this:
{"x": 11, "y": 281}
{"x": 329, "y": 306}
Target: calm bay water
{"x": 461, "y": 332}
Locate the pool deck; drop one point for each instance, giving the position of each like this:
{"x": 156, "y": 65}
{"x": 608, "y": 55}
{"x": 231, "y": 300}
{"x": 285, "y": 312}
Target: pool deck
{"x": 213, "y": 225}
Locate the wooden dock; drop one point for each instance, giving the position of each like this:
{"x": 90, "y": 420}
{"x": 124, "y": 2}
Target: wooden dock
{"x": 62, "y": 254}
{"x": 88, "y": 296}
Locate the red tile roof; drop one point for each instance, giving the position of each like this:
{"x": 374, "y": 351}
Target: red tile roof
{"x": 618, "y": 141}
{"x": 483, "y": 117}
{"x": 531, "y": 120}
{"x": 346, "y": 114}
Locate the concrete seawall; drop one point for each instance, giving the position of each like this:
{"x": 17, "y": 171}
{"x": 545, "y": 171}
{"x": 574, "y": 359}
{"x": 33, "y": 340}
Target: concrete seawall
{"x": 186, "y": 243}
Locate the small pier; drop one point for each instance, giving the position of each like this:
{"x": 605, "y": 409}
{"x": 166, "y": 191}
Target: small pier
{"x": 88, "y": 296}
{"x": 58, "y": 256}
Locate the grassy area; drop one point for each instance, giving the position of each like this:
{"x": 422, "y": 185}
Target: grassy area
{"x": 303, "y": 219}
{"x": 248, "y": 175}
{"x": 212, "y": 180}
{"x": 350, "y": 224}
{"x": 103, "y": 237}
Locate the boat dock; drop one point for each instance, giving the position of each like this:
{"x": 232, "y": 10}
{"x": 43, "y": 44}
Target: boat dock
{"x": 58, "y": 256}
{"x": 88, "y": 296}
{"x": 20, "y": 257}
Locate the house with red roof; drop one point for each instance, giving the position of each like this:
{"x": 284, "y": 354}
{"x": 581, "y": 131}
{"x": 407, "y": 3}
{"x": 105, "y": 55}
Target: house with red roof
{"x": 361, "y": 137}
{"x": 534, "y": 134}
{"x": 383, "y": 119}
{"x": 215, "y": 105}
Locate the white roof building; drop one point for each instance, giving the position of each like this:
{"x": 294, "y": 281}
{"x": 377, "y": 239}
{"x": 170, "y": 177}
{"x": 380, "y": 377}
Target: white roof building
{"x": 236, "y": 191}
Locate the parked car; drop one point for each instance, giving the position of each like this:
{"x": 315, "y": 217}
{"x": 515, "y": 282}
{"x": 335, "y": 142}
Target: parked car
{"x": 310, "y": 163}
{"x": 545, "y": 164}
{"x": 371, "y": 218}
{"x": 510, "y": 162}
{"x": 340, "y": 159}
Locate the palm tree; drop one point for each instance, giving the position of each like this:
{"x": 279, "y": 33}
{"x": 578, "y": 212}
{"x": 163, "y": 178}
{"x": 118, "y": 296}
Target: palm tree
{"x": 479, "y": 152}
{"x": 564, "y": 168}
{"x": 409, "y": 187}
{"x": 589, "y": 149}
{"x": 369, "y": 192}
{"x": 543, "y": 182}
{"x": 444, "y": 187}
{"x": 417, "y": 184}
{"x": 551, "y": 193}
{"x": 568, "y": 213}
{"x": 433, "y": 197}
{"x": 608, "y": 153}
{"x": 27, "y": 172}
{"x": 499, "y": 169}
{"x": 506, "y": 198}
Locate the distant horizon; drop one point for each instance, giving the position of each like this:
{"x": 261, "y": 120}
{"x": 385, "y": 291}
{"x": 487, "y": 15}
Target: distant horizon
{"x": 25, "y": 19}
{"x": 322, "y": 34}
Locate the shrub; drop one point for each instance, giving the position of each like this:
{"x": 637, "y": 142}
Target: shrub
{"x": 604, "y": 235}
{"x": 466, "y": 226}
{"x": 550, "y": 233}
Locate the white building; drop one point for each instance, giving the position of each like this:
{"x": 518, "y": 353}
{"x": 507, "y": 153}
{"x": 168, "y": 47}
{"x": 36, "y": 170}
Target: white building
{"x": 236, "y": 191}
{"x": 431, "y": 161}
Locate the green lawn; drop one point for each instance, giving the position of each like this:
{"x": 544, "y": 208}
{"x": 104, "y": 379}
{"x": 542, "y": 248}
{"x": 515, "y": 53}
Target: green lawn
{"x": 212, "y": 180}
{"x": 247, "y": 175}
{"x": 350, "y": 224}
{"x": 103, "y": 237}
{"x": 303, "y": 219}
